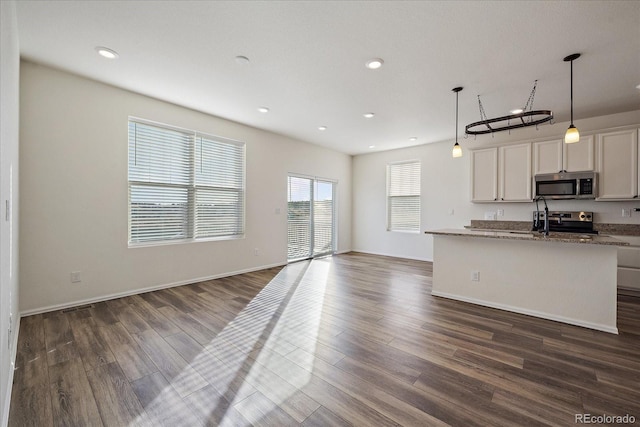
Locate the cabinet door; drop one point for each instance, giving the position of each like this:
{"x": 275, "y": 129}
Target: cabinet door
{"x": 515, "y": 173}
{"x": 618, "y": 165}
{"x": 579, "y": 156}
{"x": 484, "y": 175}
{"x": 547, "y": 156}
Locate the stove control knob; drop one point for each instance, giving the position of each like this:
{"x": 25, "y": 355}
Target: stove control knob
{"x": 588, "y": 216}
{"x": 582, "y": 216}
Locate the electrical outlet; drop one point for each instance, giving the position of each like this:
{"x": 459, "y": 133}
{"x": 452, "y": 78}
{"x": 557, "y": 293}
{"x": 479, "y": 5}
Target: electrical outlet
{"x": 256, "y": 252}
{"x": 75, "y": 277}
{"x": 626, "y": 213}
{"x": 451, "y": 211}
{"x": 500, "y": 212}
{"x": 490, "y": 215}
{"x": 475, "y": 276}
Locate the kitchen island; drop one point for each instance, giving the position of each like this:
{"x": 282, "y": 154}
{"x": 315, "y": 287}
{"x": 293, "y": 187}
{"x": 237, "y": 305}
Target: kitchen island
{"x": 565, "y": 277}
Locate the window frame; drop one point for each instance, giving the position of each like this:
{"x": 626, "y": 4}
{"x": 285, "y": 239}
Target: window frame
{"x": 192, "y": 187}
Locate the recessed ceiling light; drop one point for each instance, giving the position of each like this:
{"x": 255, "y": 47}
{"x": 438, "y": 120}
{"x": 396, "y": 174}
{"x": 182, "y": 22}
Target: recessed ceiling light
{"x": 374, "y": 64}
{"x": 413, "y": 138}
{"x": 368, "y": 115}
{"x": 516, "y": 111}
{"x": 322, "y": 128}
{"x": 263, "y": 109}
{"x": 372, "y": 146}
{"x": 242, "y": 59}
{"x": 106, "y": 52}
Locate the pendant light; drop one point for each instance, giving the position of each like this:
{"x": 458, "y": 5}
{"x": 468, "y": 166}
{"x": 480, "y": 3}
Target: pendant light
{"x": 572, "y": 134}
{"x": 457, "y": 150}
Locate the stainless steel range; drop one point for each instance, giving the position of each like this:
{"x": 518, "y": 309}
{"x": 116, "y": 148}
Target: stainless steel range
{"x": 565, "y": 221}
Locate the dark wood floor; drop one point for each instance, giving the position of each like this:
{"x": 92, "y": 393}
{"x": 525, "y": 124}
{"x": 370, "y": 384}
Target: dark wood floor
{"x": 349, "y": 340}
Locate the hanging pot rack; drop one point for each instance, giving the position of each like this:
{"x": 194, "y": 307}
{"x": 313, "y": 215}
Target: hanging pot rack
{"x": 545, "y": 116}
{"x": 520, "y": 120}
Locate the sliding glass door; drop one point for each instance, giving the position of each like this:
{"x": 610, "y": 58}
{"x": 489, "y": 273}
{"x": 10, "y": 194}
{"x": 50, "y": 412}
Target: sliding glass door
{"x": 299, "y": 218}
{"x": 311, "y": 217}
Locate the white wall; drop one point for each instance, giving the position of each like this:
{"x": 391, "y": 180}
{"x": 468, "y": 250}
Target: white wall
{"x": 73, "y": 175}
{"x": 445, "y": 187}
{"x": 9, "y": 125}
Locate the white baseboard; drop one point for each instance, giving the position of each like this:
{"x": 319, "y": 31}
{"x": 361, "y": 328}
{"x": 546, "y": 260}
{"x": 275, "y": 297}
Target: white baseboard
{"x": 391, "y": 255}
{"x": 14, "y": 349}
{"x": 142, "y": 290}
{"x": 534, "y": 313}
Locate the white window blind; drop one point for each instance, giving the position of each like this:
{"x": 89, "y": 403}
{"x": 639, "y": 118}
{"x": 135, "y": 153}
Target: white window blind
{"x": 183, "y": 185}
{"x": 323, "y": 217}
{"x": 219, "y": 188}
{"x": 300, "y": 220}
{"x": 403, "y": 196}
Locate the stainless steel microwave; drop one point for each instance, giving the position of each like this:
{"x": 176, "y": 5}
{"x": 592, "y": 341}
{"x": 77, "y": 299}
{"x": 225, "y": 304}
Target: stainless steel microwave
{"x": 567, "y": 185}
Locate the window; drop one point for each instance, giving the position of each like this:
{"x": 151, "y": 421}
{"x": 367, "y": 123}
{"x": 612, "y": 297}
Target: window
{"x": 183, "y": 185}
{"x": 403, "y": 196}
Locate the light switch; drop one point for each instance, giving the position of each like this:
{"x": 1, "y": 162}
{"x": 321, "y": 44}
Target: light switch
{"x": 75, "y": 277}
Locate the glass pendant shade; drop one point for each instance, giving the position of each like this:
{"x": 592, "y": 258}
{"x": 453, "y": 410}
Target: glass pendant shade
{"x": 457, "y": 150}
{"x": 572, "y": 135}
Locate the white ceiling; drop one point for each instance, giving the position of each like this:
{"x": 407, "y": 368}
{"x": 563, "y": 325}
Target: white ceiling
{"x": 307, "y": 60}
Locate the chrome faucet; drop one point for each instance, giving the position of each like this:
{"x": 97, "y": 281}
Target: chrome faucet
{"x": 546, "y": 219}
{"x": 536, "y": 222}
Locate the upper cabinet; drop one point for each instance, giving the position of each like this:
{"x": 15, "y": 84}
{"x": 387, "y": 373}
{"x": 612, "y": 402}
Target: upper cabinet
{"x": 506, "y": 173}
{"x": 554, "y": 156}
{"x": 514, "y": 173}
{"x": 547, "y": 156}
{"x": 618, "y": 165}
{"x": 579, "y": 156}
{"x": 484, "y": 175}
{"x": 501, "y": 174}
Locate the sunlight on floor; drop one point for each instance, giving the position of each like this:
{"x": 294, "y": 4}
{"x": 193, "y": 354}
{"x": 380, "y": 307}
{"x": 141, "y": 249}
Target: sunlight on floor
{"x": 249, "y": 363}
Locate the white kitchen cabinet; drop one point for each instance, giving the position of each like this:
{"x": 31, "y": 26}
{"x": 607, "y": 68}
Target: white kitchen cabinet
{"x": 629, "y": 263}
{"x": 501, "y": 174}
{"x": 618, "y": 165}
{"x": 579, "y": 156}
{"x": 484, "y": 175}
{"x": 554, "y": 156}
{"x": 547, "y": 156}
{"x": 514, "y": 173}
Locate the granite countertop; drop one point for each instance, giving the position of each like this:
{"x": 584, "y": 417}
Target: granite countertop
{"x": 618, "y": 229}
{"x": 601, "y": 228}
{"x": 514, "y": 234}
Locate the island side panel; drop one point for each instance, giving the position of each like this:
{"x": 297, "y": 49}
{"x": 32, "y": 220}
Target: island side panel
{"x": 570, "y": 283}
